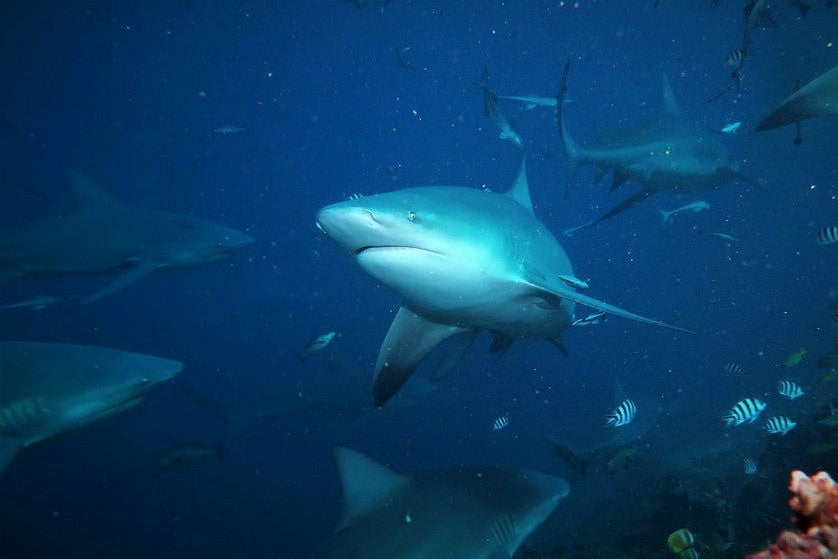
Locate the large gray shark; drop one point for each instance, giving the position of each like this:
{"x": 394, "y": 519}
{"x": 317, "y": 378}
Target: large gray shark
{"x": 46, "y": 389}
{"x": 100, "y": 235}
{"x": 463, "y": 260}
{"x": 663, "y": 154}
{"x": 481, "y": 513}
{"x": 819, "y": 97}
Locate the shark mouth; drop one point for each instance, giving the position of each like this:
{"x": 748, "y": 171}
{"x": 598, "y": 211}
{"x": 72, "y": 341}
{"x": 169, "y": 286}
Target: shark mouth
{"x": 376, "y": 248}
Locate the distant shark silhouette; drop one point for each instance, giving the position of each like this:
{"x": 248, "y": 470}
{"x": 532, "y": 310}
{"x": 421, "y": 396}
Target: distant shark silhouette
{"x": 463, "y": 260}
{"x": 100, "y": 235}
{"x": 483, "y": 513}
{"x": 663, "y": 154}
{"x": 817, "y": 98}
{"x": 46, "y": 389}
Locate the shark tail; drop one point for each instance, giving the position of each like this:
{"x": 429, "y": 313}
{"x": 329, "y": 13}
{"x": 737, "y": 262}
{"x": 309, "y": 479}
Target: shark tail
{"x": 571, "y": 150}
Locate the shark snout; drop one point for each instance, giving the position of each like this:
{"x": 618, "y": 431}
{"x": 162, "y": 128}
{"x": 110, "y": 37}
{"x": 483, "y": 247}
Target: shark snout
{"x": 349, "y": 226}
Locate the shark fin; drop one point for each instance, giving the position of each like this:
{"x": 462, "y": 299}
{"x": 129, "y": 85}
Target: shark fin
{"x": 571, "y": 150}
{"x": 138, "y": 270}
{"x": 456, "y": 347}
{"x": 629, "y": 202}
{"x": 87, "y": 196}
{"x": 670, "y": 106}
{"x": 500, "y": 343}
{"x": 520, "y": 189}
{"x": 408, "y": 341}
{"x": 555, "y": 293}
{"x": 559, "y": 343}
{"x": 8, "y": 449}
{"x": 365, "y": 482}
{"x": 618, "y": 179}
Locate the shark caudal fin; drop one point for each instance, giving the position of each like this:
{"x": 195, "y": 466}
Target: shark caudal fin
{"x": 571, "y": 150}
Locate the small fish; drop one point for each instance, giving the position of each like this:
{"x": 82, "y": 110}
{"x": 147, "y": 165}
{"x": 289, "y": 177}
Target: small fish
{"x": 746, "y": 410}
{"x": 36, "y": 303}
{"x": 779, "y": 425}
{"x": 789, "y": 389}
{"x": 828, "y": 235}
{"x": 734, "y": 368}
{"x": 590, "y": 320}
{"x": 623, "y": 415}
{"x": 695, "y": 206}
{"x": 724, "y": 236}
{"x": 500, "y": 423}
{"x": 795, "y": 358}
{"x": 690, "y": 553}
{"x": 734, "y": 58}
{"x": 731, "y": 128}
{"x": 187, "y": 454}
{"x": 227, "y": 129}
{"x": 575, "y": 283}
{"x": 315, "y": 344}
{"x": 750, "y": 466}
{"x": 680, "y": 540}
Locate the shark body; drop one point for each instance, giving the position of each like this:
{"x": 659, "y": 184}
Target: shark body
{"x": 662, "y": 154}
{"x": 531, "y": 101}
{"x": 817, "y": 98}
{"x": 460, "y": 514}
{"x": 463, "y": 260}
{"x": 100, "y": 235}
{"x": 46, "y": 388}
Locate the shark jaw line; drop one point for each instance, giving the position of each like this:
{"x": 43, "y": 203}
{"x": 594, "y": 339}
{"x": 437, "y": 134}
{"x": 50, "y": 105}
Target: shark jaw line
{"x": 367, "y": 249}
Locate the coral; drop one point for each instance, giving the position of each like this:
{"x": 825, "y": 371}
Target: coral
{"x": 815, "y": 507}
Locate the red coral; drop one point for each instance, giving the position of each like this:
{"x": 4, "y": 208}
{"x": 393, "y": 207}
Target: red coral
{"x": 815, "y": 506}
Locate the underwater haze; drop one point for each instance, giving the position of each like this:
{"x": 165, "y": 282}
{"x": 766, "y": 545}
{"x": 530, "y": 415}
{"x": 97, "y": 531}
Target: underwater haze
{"x": 162, "y": 168}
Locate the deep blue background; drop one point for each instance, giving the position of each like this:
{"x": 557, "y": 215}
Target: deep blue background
{"x": 130, "y": 96}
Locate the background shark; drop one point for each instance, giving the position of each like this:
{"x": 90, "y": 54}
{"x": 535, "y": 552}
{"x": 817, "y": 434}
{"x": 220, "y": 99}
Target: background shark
{"x": 463, "y": 260}
{"x": 662, "y": 153}
{"x": 100, "y": 235}
{"x": 819, "y": 97}
{"x": 461, "y": 514}
{"x": 46, "y": 388}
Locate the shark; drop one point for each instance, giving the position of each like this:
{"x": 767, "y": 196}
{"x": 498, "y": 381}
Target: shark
{"x": 662, "y": 154}
{"x": 463, "y": 260}
{"x": 531, "y": 101}
{"x": 468, "y": 513}
{"x": 490, "y": 105}
{"x": 49, "y": 388}
{"x": 817, "y": 98}
{"x": 99, "y": 235}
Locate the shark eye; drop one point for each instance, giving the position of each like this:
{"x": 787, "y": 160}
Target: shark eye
{"x": 411, "y": 216}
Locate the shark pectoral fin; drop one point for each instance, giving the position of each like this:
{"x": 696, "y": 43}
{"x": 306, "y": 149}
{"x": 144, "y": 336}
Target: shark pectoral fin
{"x": 408, "y": 341}
{"x": 629, "y": 202}
{"x": 559, "y": 343}
{"x": 366, "y": 483}
{"x": 8, "y": 449}
{"x": 136, "y": 271}
{"x": 456, "y": 347}
{"x": 618, "y": 179}
{"x": 500, "y": 343}
{"x": 561, "y": 291}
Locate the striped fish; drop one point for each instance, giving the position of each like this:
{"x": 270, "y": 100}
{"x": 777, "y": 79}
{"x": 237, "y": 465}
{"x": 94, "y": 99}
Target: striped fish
{"x": 745, "y": 411}
{"x": 623, "y": 415}
{"x": 789, "y": 389}
{"x": 750, "y": 466}
{"x": 779, "y": 425}
{"x": 734, "y": 57}
{"x": 828, "y": 235}
{"x": 500, "y": 423}
{"x": 734, "y": 368}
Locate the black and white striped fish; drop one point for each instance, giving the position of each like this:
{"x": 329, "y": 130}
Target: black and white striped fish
{"x": 734, "y": 57}
{"x": 734, "y": 368}
{"x": 745, "y": 411}
{"x": 500, "y": 423}
{"x": 623, "y": 415}
{"x": 750, "y": 466}
{"x": 828, "y": 235}
{"x": 779, "y": 425}
{"x": 789, "y": 389}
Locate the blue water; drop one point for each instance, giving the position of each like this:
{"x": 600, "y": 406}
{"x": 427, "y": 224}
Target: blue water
{"x": 131, "y": 95}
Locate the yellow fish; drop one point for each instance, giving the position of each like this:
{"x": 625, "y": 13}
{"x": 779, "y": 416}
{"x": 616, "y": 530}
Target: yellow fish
{"x": 796, "y": 357}
{"x": 680, "y": 540}
{"x": 690, "y": 553}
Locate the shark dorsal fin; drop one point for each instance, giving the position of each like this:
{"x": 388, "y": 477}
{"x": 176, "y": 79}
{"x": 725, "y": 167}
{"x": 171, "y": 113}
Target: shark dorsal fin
{"x": 365, "y": 482}
{"x": 670, "y": 107}
{"x": 520, "y": 189}
{"x": 89, "y": 197}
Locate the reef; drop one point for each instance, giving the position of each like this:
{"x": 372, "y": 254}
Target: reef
{"x": 815, "y": 508}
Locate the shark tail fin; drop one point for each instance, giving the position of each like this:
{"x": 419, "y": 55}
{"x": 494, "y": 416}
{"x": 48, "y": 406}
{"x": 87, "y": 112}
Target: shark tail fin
{"x": 571, "y": 150}
{"x": 665, "y": 216}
